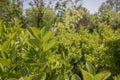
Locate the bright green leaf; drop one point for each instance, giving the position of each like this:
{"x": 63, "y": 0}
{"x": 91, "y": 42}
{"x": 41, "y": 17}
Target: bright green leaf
{"x": 42, "y": 32}
{"x": 34, "y": 32}
{"x": 86, "y": 75}
{"x": 49, "y": 45}
{"x": 5, "y": 45}
{"x": 47, "y": 36}
{"x": 102, "y": 75}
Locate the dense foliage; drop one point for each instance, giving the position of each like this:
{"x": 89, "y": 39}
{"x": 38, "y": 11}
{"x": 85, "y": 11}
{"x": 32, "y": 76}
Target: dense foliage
{"x": 59, "y": 43}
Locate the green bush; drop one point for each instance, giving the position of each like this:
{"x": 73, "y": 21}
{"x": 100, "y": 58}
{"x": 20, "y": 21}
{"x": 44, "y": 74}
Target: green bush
{"x": 37, "y": 54}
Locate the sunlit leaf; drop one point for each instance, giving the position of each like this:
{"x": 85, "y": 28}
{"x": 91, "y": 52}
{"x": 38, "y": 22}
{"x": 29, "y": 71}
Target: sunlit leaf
{"x": 42, "y": 32}
{"x": 34, "y": 32}
{"x": 47, "y": 36}
{"x": 49, "y": 45}
{"x": 86, "y": 75}
{"x": 5, "y": 45}
{"x": 102, "y": 75}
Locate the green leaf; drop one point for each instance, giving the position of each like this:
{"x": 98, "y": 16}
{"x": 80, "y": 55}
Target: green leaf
{"x": 1, "y": 67}
{"x": 102, "y": 75}
{"x": 5, "y": 45}
{"x": 40, "y": 77}
{"x": 27, "y": 77}
{"x": 42, "y": 32}
{"x": 34, "y": 32}
{"x": 1, "y": 28}
{"x": 17, "y": 22}
{"x": 86, "y": 75}
{"x": 13, "y": 75}
{"x": 90, "y": 68}
{"x": 49, "y": 45}
{"x": 5, "y": 62}
{"x": 30, "y": 61}
{"x": 75, "y": 77}
{"x": 47, "y": 36}
{"x": 35, "y": 42}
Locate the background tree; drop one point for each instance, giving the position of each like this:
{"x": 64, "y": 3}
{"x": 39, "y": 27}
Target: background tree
{"x": 40, "y": 14}
{"x": 109, "y": 13}
{"x": 61, "y": 5}
{"x": 2, "y": 7}
{"x": 11, "y": 9}
{"x": 113, "y": 4}
{"x": 45, "y": 20}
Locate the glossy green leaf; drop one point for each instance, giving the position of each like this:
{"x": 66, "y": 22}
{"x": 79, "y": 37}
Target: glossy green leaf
{"x": 49, "y": 45}
{"x": 75, "y": 77}
{"x": 86, "y": 75}
{"x": 90, "y": 68}
{"x": 47, "y": 36}
{"x": 34, "y": 32}
{"x": 42, "y": 32}
{"x": 102, "y": 75}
